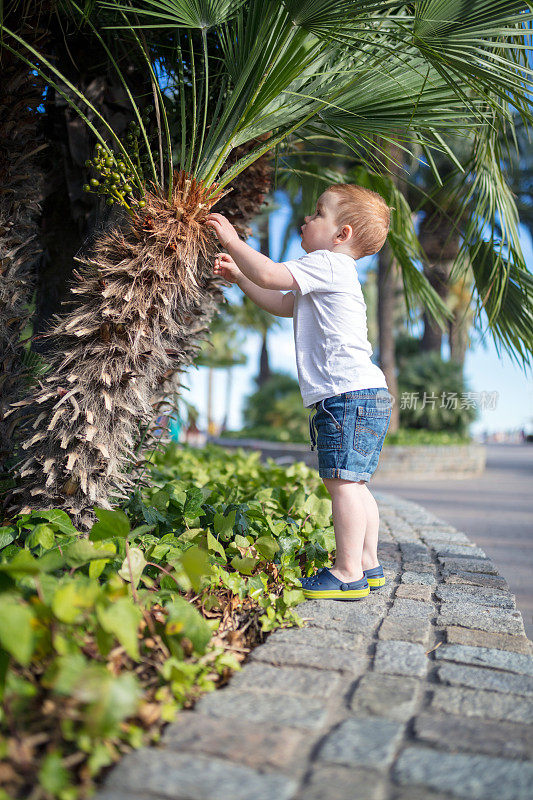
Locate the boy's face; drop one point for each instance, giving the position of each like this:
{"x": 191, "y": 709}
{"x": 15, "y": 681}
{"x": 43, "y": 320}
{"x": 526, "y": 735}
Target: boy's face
{"x": 320, "y": 229}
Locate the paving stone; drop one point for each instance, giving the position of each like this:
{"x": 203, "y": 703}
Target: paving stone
{"x": 406, "y": 630}
{"x": 363, "y": 741}
{"x": 459, "y": 734}
{"x": 420, "y": 567}
{"x": 415, "y": 553}
{"x": 401, "y": 658}
{"x": 243, "y": 742}
{"x": 481, "y": 678}
{"x": 195, "y": 777}
{"x": 417, "y": 793}
{"x": 424, "y": 578}
{"x": 322, "y": 637}
{"x": 341, "y": 615}
{"x": 473, "y": 777}
{"x": 432, "y": 535}
{"x": 289, "y": 680}
{"x": 486, "y": 657}
{"x": 311, "y": 656}
{"x": 482, "y": 703}
{"x": 475, "y": 594}
{"x": 412, "y": 609}
{"x": 414, "y": 591}
{"x": 338, "y": 781}
{"x": 117, "y": 794}
{"x": 463, "y": 550}
{"x": 280, "y": 709}
{"x": 485, "y": 618}
{"x": 483, "y": 565}
{"x": 460, "y": 577}
{"x": 390, "y": 696}
{"x": 455, "y": 634}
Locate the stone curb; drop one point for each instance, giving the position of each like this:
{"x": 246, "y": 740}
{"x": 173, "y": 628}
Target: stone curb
{"x": 421, "y": 691}
{"x": 425, "y": 461}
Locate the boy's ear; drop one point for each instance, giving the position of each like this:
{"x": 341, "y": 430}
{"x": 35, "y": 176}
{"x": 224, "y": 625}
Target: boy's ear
{"x": 345, "y": 233}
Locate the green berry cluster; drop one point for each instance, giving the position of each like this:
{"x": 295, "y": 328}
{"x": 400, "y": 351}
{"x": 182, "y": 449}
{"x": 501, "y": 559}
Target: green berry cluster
{"x": 115, "y": 179}
{"x": 136, "y": 146}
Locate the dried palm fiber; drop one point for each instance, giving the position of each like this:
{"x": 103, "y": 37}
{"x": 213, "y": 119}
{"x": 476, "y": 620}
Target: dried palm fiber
{"x": 241, "y": 204}
{"x": 146, "y": 296}
{"x": 21, "y": 183}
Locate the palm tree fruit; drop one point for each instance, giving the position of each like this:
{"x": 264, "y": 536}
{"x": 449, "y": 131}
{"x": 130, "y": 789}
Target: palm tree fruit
{"x": 21, "y": 182}
{"x": 147, "y": 294}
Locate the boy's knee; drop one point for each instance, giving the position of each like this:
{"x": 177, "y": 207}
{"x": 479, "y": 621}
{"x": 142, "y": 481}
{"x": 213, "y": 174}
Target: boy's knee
{"x": 332, "y": 484}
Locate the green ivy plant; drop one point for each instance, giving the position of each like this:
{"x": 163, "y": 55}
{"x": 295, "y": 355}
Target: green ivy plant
{"x": 105, "y": 636}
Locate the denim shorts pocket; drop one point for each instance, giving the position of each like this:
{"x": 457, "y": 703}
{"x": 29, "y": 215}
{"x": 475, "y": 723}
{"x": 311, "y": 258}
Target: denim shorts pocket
{"x": 370, "y": 429}
{"x": 329, "y": 424}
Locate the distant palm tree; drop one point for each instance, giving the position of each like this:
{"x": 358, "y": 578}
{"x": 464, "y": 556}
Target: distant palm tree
{"x": 351, "y": 71}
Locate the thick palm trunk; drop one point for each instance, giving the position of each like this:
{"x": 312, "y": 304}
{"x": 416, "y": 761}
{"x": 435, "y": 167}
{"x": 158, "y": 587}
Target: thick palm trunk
{"x": 20, "y": 192}
{"x": 387, "y": 292}
{"x": 437, "y": 273}
{"x": 147, "y": 295}
{"x": 440, "y": 243}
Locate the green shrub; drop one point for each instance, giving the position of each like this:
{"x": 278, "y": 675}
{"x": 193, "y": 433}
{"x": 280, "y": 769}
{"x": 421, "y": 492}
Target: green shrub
{"x": 105, "y": 636}
{"x": 428, "y": 377}
{"x": 278, "y": 403}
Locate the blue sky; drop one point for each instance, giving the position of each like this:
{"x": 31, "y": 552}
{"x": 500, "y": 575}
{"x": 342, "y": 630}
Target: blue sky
{"x": 485, "y": 370}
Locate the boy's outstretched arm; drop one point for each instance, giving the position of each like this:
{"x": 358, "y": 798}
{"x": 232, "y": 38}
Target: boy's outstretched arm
{"x": 273, "y": 301}
{"x": 258, "y": 268}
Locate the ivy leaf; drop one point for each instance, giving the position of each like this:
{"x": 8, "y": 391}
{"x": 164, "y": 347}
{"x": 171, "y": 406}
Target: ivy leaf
{"x": 137, "y": 562}
{"x": 185, "y": 620}
{"x": 74, "y": 596}
{"x": 7, "y": 535}
{"x": 23, "y": 563}
{"x": 81, "y": 552}
{"x": 267, "y": 546}
{"x": 319, "y": 510}
{"x": 195, "y": 562}
{"x": 110, "y": 524}
{"x": 58, "y": 518}
{"x": 53, "y": 776}
{"x": 214, "y": 544}
{"x": 97, "y": 566}
{"x": 244, "y": 565}
{"x": 122, "y": 618}
{"x": 223, "y": 525}
{"x": 193, "y": 503}
{"x": 43, "y": 535}
{"x": 16, "y": 632}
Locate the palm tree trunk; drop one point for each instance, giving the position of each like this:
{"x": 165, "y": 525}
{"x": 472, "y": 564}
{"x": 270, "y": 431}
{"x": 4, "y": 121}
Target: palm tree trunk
{"x": 21, "y": 183}
{"x": 210, "y": 376}
{"x": 387, "y": 290}
{"x": 147, "y": 298}
{"x": 229, "y": 386}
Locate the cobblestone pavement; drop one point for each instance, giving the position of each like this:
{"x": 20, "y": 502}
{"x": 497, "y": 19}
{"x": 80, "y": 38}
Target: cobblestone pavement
{"x": 421, "y": 691}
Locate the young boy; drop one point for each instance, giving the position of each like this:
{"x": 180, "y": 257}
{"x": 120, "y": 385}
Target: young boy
{"x": 347, "y": 392}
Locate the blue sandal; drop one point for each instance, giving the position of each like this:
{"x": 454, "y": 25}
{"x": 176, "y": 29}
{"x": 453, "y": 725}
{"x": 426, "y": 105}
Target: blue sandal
{"x": 375, "y": 577}
{"x": 325, "y": 585}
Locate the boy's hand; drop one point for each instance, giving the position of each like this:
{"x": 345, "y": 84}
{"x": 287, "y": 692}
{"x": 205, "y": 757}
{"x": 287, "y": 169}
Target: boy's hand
{"x": 224, "y": 230}
{"x": 226, "y": 267}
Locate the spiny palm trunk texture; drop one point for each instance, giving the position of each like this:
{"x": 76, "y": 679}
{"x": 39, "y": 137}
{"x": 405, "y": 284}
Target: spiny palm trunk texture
{"x": 147, "y": 294}
{"x": 20, "y": 192}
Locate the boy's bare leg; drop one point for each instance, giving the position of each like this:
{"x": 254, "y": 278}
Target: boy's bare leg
{"x": 370, "y": 544}
{"x": 350, "y": 524}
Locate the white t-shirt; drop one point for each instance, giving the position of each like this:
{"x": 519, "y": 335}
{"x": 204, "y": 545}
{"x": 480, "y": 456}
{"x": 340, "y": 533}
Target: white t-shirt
{"x": 330, "y": 330}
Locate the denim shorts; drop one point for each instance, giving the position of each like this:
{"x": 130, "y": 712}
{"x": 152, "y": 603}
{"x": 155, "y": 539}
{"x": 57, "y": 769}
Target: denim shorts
{"x": 348, "y": 431}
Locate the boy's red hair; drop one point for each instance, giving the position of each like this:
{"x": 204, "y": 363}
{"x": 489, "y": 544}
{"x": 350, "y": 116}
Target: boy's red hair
{"x": 366, "y": 212}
